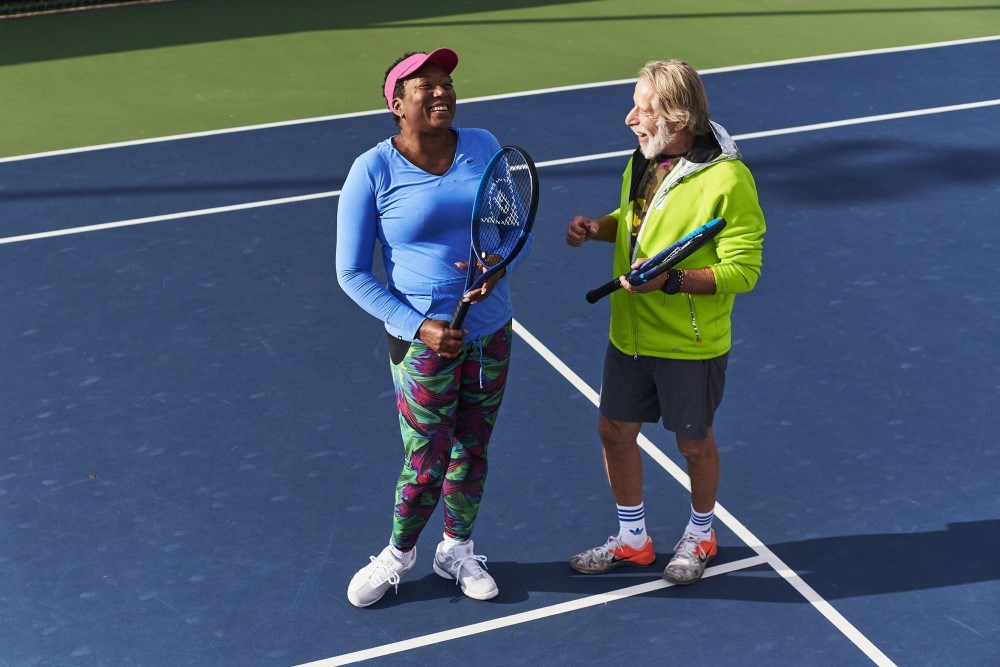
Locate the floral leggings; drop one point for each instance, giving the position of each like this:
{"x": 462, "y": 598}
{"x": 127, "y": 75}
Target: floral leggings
{"x": 447, "y": 409}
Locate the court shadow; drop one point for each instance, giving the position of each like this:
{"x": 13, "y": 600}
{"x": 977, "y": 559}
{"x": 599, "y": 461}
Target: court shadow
{"x": 863, "y": 565}
{"x": 158, "y": 25}
{"x": 836, "y": 567}
{"x": 873, "y": 170}
{"x": 517, "y": 581}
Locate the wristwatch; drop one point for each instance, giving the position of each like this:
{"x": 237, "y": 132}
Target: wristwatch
{"x": 675, "y": 281}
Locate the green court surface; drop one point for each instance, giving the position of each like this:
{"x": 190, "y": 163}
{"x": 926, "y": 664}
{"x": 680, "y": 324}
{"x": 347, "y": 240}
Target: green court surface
{"x": 149, "y": 70}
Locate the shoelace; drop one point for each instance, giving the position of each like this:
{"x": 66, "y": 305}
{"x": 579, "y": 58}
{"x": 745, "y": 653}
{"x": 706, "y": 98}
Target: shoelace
{"x": 689, "y": 547}
{"x": 477, "y": 572}
{"x": 607, "y": 550}
{"x": 382, "y": 573}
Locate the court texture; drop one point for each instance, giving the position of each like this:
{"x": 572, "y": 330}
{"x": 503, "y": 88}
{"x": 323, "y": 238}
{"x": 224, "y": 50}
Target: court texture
{"x": 199, "y": 442}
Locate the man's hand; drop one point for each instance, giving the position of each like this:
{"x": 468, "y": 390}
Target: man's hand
{"x": 580, "y": 230}
{"x": 653, "y": 285}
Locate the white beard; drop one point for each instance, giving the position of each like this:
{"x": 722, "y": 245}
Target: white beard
{"x": 657, "y": 144}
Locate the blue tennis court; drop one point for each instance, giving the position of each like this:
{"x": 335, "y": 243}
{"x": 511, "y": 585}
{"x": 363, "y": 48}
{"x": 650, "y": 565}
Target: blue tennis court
{"x": 200, "y": 439}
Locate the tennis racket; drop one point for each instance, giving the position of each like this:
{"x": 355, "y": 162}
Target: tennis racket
{"x": 501, "y": 218}
{"x": 664, "y": 260}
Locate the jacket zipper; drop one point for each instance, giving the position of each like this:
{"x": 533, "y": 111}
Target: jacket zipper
{"x": 634, "y": 321}
{"x": 694, "y": 319}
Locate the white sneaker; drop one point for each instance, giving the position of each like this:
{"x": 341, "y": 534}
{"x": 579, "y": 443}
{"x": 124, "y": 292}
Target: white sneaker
{"x": 456, "y": 561}
{"x": 373, "y": 580}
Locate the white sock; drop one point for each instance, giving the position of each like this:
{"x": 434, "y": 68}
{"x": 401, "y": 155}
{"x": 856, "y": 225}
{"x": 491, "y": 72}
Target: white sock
{"x": 632, "y": 525}
{"x": 452, "y": 541}
{"x": 450, "y": 544}
{"x": 402, "y": 556}
{"x": 700, "y": 524}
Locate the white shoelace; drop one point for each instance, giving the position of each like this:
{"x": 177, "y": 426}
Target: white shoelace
{"x": 689, "y": 547}
{"x": 382, "y": 573}
{"x": 608, "y": 549}
{"x": 467, "y": 561}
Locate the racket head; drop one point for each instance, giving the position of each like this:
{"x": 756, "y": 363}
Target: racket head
{"x": 503, "y": 213}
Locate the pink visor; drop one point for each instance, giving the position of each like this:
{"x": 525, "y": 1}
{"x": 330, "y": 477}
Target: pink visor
{"x": 446, "y": 59}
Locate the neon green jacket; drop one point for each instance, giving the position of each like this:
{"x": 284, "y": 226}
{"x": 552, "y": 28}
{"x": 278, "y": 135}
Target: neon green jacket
{"x": 711, "y": 182}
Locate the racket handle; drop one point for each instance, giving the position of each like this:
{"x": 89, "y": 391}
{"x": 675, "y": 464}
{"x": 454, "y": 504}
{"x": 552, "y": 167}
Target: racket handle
{"x": 637, "y": 277}
{"x": 459, "y": 316}
{"x": 595, "y": 295}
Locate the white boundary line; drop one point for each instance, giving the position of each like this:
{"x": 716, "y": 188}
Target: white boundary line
{"x": 549, "y": 163}
{"x": 168, "y": 216}
{"x": 523, "y": 617}
{"x": 487, "y": 98}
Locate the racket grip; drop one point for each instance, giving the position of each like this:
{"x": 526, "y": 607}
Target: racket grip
{"x": 459, "y": 316}
{"x": 637, "y": 277}
{"x": 595, "y": 295}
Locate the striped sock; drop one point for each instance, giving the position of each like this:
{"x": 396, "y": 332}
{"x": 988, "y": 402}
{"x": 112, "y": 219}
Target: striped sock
{"x": 700, "y": 524}
{"x": 632, "y": 525}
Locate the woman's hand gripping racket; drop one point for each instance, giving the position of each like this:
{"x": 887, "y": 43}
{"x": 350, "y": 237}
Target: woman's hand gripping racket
{"x": 663, "y": 261}
{"x": 501, "y": 219}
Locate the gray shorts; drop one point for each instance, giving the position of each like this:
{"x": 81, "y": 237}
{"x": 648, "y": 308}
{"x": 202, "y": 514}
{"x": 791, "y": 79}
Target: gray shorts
{"x": 684, "y": 393}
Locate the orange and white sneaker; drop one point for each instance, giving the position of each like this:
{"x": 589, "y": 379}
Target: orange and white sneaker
{"x": 612, "y": 554}
{"x": 691, "y": 555}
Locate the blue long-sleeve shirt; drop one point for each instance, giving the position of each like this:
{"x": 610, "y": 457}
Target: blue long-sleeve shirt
{"x": 422, "y": 224}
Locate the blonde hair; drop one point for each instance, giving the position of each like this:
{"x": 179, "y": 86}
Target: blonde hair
{"x": 680, "y": 94}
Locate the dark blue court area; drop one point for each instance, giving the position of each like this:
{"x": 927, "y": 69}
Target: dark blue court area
{"x": 199, "y": 441}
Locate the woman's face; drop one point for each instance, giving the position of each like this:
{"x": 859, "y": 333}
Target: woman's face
{"x": 428, "y": 100}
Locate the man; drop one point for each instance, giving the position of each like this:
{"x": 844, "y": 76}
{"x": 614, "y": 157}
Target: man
{"x": 670, "y": 338}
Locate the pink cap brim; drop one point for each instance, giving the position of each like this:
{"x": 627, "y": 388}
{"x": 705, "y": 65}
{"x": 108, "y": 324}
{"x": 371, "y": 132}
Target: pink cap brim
{"x": 446, "y": 59}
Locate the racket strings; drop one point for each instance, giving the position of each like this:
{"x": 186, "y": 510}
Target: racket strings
{"x": 505, "y": 208}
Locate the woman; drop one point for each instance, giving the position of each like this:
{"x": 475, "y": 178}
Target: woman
{"x": 414, "y": 193}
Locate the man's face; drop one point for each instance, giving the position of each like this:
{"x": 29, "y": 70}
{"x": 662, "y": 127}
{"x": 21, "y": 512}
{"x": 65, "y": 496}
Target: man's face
{"x": 653, "y": 132}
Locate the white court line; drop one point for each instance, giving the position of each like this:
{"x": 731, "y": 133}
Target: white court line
{"x": 488, "y": 98}
{"x": 168, "y": 216}
{"x": 801, "y": 128}
{"x": 523, "y": 617}
{"x": 548, "y": 163}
